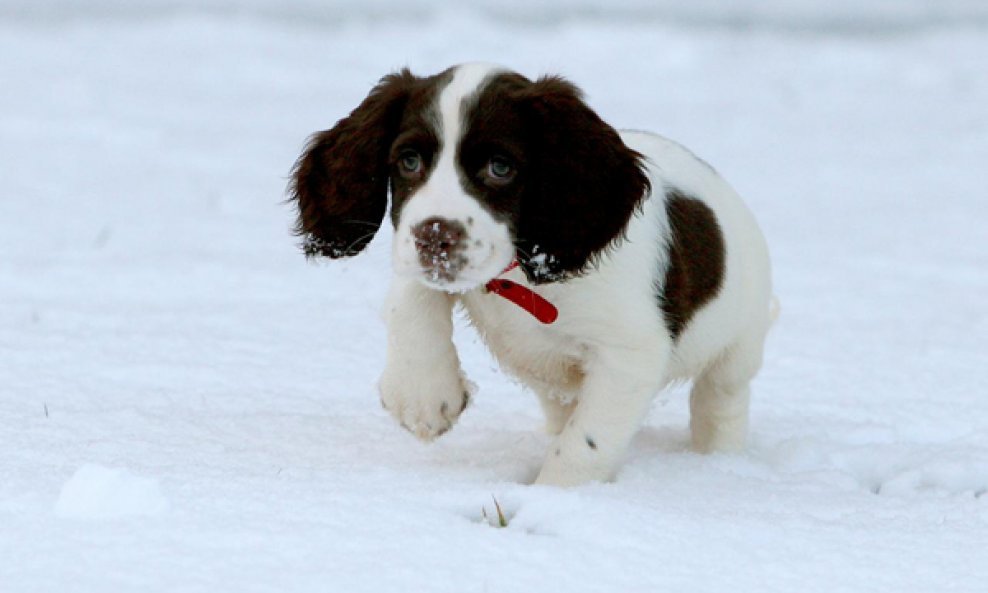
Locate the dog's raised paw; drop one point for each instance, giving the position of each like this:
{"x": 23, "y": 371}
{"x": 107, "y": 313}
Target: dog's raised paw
{"x": 426, "y": 406}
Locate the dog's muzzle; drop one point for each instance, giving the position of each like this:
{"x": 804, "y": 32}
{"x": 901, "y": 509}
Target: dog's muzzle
{"x": 440, "y": 244}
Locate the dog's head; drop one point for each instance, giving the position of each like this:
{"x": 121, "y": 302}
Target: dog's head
{"x": 483, "y": 166}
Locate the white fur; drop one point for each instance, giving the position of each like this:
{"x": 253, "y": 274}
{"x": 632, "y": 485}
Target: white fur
{"x": 597, "y": 368}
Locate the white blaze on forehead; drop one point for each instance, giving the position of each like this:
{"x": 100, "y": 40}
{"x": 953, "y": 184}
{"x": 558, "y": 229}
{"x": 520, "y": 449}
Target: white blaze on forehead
{"x": 443, "y": 187}
{"x": 467, "y": 81}
{"x": 488, "y": 248}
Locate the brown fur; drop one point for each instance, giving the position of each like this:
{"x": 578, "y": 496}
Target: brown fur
{"x": 340, "y": 183}
{"x": 586, "y": 182}
{"x": 577, "y": 186}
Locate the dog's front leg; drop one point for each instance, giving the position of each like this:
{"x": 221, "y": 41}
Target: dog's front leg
{"x": 617, "y": 390}
{"x": 422, "y": 385}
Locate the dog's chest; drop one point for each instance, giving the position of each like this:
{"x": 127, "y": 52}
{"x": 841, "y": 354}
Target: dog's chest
{"x": 524, "y": 346}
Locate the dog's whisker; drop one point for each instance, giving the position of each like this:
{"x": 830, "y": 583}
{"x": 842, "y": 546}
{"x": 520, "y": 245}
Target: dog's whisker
{"x": 376, "y": 225}
{"x": 359, "y": 239}
{"x": 523, "y": 252}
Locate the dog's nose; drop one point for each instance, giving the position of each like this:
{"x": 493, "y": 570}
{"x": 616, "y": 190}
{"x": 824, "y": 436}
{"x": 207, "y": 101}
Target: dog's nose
{"x": 439, "y": 243}
{"x": 437, "y": 237}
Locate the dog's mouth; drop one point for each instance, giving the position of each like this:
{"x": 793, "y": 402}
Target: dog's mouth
{"x": 457, "y": 273}
{"x": 447, "y": 274}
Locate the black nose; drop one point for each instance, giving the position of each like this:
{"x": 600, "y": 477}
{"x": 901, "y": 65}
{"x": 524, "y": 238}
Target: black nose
{"x": 437, "y": 237}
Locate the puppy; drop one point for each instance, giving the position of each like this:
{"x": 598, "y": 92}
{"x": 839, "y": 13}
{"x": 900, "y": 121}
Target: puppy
{"x": 599, "y": 266}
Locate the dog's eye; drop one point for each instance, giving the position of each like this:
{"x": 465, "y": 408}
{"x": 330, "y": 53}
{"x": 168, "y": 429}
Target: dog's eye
{"x": 410, "y": 163}
{"x": 499, "y": 170}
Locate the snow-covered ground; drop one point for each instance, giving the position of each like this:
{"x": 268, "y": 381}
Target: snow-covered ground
{"x": 187, "y": 405}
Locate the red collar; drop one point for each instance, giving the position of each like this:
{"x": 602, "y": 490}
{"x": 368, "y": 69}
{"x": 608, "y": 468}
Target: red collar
{"x": 524, "y": 297}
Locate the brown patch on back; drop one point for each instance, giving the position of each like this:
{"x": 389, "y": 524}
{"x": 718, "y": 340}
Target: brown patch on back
{"x": 696, "y": 260}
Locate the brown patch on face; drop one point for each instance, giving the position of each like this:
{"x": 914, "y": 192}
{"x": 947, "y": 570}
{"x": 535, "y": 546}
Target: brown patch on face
{"x": 340, "y": 183}
{"x": 696, "y": 260}
{"x": 570, "y": 184}
{"x": 419, "y": 134}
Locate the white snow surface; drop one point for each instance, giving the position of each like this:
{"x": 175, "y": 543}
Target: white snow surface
{"x": 187, "y": 405}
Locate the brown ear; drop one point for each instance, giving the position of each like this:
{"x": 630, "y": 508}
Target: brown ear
{"x": 340, "y": 183}
{"x": 588, "y": 183}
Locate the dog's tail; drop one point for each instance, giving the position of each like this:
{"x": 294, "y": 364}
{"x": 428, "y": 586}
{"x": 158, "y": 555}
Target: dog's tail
{"x": 774, "y": 309}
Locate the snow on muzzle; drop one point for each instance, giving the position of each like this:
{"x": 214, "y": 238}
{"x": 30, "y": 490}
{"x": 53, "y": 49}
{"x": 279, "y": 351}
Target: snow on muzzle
{"x": 440, "y": 244}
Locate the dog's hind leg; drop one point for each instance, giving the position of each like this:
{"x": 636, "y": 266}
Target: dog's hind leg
{"x": 719, "y": 400}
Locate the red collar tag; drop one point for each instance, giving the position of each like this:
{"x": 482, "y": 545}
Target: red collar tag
{"x": 524, "y": 297}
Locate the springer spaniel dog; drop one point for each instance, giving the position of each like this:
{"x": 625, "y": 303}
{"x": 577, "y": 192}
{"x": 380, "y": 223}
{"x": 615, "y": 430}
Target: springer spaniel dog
{"x": 597, "y": 265}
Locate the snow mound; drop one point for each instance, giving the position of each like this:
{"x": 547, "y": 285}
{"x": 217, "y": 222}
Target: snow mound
{"x": 97, "y": 492}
